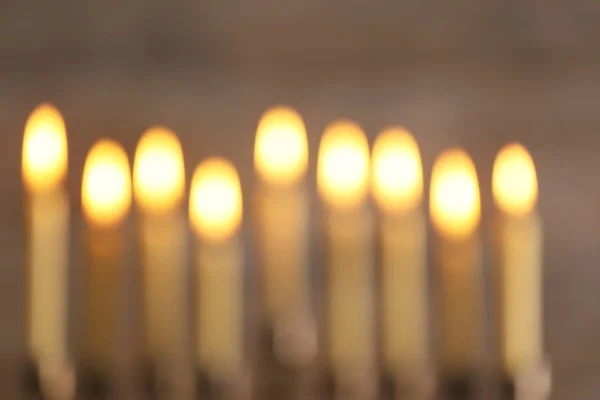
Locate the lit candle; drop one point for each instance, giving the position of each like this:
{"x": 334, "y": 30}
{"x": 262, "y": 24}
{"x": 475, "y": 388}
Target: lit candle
{"x": 343, "y": 183}
{"x": 519, "y": 260}
{"x": 44, "y": 171}
{"x": 106, "y": 199}
{"x": 159, "y": 186}
{"x": 280, "y": 159}
{"x": 216, "y": 216}
{"x": 455, "y": 213}
{"x": 398, "y": 190}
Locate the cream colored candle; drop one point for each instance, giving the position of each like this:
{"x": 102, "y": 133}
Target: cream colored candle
{"x": 455, "y": 213}
{"x": 280, "y": 159}
{"x": 159, "y": 188}
{"x": 216, "y": 216}
{"x": 343, "y": 183}
{"x": 397, "y": 187}
{"x": 44, "y": 170}
{"x": 518, "y": 260}
{"x": 106, "y": 199}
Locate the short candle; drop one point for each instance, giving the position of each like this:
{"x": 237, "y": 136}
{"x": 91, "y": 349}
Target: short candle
{"x": 518, "y": 233}
{"x": 282, "y": 223}
{"x": 343, "y": 182}
{"x": 398, "y": 191}
{"x": 106, "y": 199}
{"x": 44, "y": 168}
{"x": 159, "y": 189}
{"x": 216, "y": 217}
{"x": 455, "y": 213}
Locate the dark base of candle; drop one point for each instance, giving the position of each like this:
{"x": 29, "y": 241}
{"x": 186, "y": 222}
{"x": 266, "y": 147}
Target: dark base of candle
{"x": 363, "y": 387}
{"x": 327, "y": 385}
{"x": 458, "y": 387}
{"x": 93, "y": 383}
{"x": 31, "y": 379}
{"x": 389, "y": 388}
{"x": 206, "y": 387}
{"x": 274, "y": 379}
{"x": 277, "y": 381}
{"x": 394, "y": 387}
{"x": 507, "y": 388}
{"x": 150, "y": 382}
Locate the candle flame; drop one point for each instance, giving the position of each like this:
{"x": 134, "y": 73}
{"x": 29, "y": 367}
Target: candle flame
{"x": 455, "y": 205}
{"x": 44, "y": 163}
{"x": 281, "y": 148}
{"x": 514, "y": 182}
{"x": 343, "y": 165}
{"x": 215, "y": 200}
{"x": 397, "y": 172}
{"x": 158, "y": 171}
{"x": 106, "y": 187}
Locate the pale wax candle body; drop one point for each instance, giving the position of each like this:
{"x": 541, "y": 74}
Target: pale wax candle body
{"x": 164, "y": 255}
{"x": 219, "y": 314}
{"x": 520, "y": 291}
{"x": 405, "y": 335}
{"x": 48, "y": 215}
{"x": 282, "y": 218}
{"x": 350, "y": 311}
{"x": 460, "y": 294}
{"x": 101, "y": 299}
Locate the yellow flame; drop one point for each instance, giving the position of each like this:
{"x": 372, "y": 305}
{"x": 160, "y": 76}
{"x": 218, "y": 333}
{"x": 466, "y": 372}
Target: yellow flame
{"x": 106, "y": 188}
{"x": 343, "y": 165}
{"x": 158, "y": 171}
{"x": 397, "y": 171}
{"x": 281, "y": 148}
{"x": 215, "y": 200}
{"x": 44, "y": 162}
{"x": 514, "y": 182}
{"x": 455, "y": 204}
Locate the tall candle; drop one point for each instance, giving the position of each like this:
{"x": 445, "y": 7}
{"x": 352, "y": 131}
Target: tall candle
{"x": 216, "y": 216}
{"x": 44, "y": 169}
{"x": 398, "y": 190}
{"x": 159, "y": 186}
{"x": 343, "y": 183}
{"x": 106, "y": 199}
{"x": 518, "y": 260}
{"x": 280, "y": 159}
{"x": 455, "y": 213}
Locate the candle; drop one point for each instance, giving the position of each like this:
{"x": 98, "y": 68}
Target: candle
{"x": 216, "y": 216}
{"x": 280, "y": 159}
{"x": 44, "y": 169}
{"x": 397, "y": 187}
{"x": 519, "y": 260}
{"x": 342, "y": 177}
{"x": 159, "y": 186}
{"x": 106, "y": 199}
{"x": 455, "y": 213}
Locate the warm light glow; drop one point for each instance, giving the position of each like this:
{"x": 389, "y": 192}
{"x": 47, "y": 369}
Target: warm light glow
{"x": 106, "y": 188}
{"x": 343, "y": 165}
{"x": 158, "y": 171}
{"x": 44, "y": 149}
{"x": 397, "y": 172}
{"x": 514, "y": 182}
{"x": 215, "y": 200}
{"x": 455, "y": 205}
{"x": 281, "y": 148}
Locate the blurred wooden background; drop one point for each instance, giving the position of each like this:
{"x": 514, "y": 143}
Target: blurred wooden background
{"x": 470, "y": 73}
{"x": 85, "y": 30}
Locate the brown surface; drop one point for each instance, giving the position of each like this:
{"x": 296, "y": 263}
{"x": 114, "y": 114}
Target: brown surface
{"x": 551, "y": 107}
